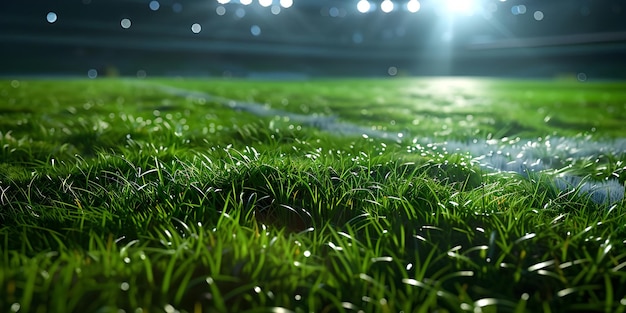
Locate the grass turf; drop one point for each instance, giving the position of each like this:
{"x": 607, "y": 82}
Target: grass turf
{"x": 117, "y": 195}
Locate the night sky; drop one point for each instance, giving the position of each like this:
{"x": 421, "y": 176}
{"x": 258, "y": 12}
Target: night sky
{"x": 534, "y": 38}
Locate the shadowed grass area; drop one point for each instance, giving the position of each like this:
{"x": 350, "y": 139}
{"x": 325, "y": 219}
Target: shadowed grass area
{"x": 117, "y": 195}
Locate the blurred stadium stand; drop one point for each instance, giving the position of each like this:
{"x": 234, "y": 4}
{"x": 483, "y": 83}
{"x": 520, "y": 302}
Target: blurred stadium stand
{"x": 530, "y": 38}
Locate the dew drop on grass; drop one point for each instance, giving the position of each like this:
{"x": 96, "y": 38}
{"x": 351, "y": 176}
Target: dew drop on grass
{"x": 382, "y": 259}
{"x": 486, "y": 302}
{"x": 334, "y": 247}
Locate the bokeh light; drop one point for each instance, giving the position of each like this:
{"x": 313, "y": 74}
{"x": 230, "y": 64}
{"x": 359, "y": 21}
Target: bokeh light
{"x": 223, "y": 1}
{"x": 255, "y": 30}
{"x": 386, "y": 6}
{"x": 51, "y": 17}
{"x": 154, "y": 5}
{"x": 265, "y": 3}
{"x": 196, "y": 28}
{"x": 240, "y": 12}
{"x": 363, "y": 6}
{"x": 413, "y": 6}
{"x": 538, "y": 15}
{"x": 333, "y": 12}
{"x": 245, "y": 2}
{"x": 125, "y": 23}
{"x": 518, "y": 9}
{"x": 177, "y": 7}
{"x": 220, "y": 10}
{"x": 275, "y": 9}
{"x": 92, "y": 73}
{"x": 286, "y": 3}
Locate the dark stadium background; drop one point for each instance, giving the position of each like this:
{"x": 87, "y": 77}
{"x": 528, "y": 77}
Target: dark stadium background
{"x": 582, "y": 39}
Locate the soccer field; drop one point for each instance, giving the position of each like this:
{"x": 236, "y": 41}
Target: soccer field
{"x": 338, "y": 195}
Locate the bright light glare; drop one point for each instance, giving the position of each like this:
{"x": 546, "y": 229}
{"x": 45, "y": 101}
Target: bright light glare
{"x": 286, "y": 3}
{"x": 386, "y": 6}
{"x": 223, "y": 1}
{"x": 460, "y": 6}
{"x": 245, "y": 2}
{"x": 413, "y": 6}
{"x": 265, "y": 3}
{"x": 363, "y": 6}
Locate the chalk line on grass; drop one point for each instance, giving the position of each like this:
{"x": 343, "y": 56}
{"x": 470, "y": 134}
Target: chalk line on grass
{"x": 526, "y": 157}
{"x": 327, "y": 123}
{"x": 519, "y": 155}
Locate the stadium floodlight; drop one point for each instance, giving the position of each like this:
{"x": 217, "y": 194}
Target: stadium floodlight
{"x": 386, "y": 6}
{"x": 413, "y": 6}
{"x": 465, "y": 7}
{"x": 265, "y": 3}
{"x": 363, "y": 6}
{"x": 286, "y": 3}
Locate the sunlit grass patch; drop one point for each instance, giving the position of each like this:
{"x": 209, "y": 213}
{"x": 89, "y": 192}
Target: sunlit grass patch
{"x": 123, "y": 195}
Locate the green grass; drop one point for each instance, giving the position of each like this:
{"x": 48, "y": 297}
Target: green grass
{"x": 117, "y": 196}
